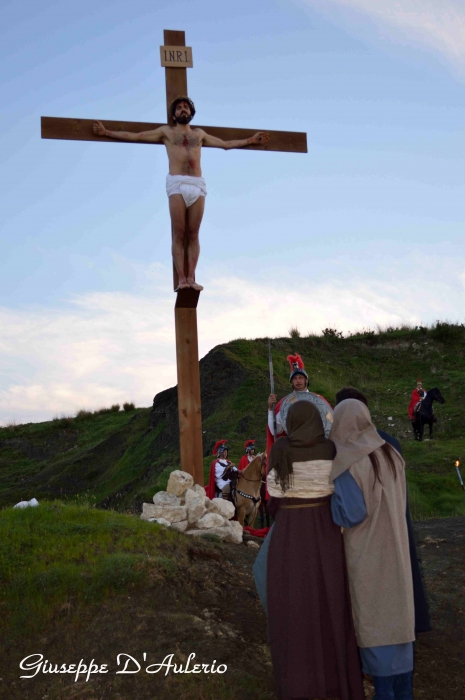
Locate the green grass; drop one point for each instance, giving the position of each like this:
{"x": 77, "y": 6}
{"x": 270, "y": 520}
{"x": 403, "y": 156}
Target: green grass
{"x": 55, "y": 553}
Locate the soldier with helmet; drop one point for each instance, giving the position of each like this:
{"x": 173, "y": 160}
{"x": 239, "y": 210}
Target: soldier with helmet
{"x": 185, "y": 185}
{"x": 299, "y": 381}
{"x": 249, "y": 454}
{"x": 222, "y": 471}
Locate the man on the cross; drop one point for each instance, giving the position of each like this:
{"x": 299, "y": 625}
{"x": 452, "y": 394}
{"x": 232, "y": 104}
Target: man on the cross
{"x": 185, "y": 185}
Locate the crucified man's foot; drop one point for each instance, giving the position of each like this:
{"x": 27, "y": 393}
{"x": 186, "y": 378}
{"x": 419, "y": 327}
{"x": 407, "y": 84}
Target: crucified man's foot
{"x": 193, "y": 284}
{"x": 184, "y": 284}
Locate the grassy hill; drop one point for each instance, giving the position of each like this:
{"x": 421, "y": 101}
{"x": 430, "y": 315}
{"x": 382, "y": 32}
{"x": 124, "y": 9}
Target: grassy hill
{"x": 83, "y": 583}
{"x": 119, "y": 459}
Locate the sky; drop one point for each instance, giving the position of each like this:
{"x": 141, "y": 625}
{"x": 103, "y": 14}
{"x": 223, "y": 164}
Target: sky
{"x": 365, "y": 230}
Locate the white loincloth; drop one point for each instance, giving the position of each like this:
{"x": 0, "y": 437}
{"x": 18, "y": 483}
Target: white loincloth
{"x": 191, "y": 188}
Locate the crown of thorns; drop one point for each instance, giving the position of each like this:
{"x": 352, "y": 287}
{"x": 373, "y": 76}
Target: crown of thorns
{"x": 177, "y": 100}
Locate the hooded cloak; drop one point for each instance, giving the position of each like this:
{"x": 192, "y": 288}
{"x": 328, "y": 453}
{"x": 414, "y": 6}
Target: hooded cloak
{"x": 305, "y": 441}
{"x": 377, "y": 549}
{"x": 310, "y": 627}
{"x": 354, "y": 435}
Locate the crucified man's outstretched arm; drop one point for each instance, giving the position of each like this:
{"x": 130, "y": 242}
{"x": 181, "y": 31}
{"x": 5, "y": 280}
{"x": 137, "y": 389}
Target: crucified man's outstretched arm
{"x": 185, "y": 186}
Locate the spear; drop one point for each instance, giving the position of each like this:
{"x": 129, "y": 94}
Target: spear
{"x": 457, "y": 465}
{"x": 270, "y": 361}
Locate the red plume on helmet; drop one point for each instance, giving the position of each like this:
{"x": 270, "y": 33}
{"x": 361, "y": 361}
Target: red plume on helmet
{"x": 249, "y": 444}
{"x": 297, "y": 366}
{"x": 218, "y": 445}
{"x": 295, "y": 362}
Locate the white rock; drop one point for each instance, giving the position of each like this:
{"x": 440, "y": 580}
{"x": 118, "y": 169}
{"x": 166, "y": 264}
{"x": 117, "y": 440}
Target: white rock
{"x": 26, "y": 504}
{"x": 234, "y": 533}
{"x": 179, "y": 482}
{"x": 210, "y": 506}
{"x": 218, "y": 531}
{"x": 162, "y": 498}
{"x": 253, "y": 545}
{"x": 211, "y": 520}
{"x": 200, "y": 490}
{"x": 160, "y": 521}
{"x": 190, "y": 495}
{"x": 180, "y": 526}
{"x": 171, "y": 513}
{"x": 224, "y": 508}
{"x": 195, "y": 510}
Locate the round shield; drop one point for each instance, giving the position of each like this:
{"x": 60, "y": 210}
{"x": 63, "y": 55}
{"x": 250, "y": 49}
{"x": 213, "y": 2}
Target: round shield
{"x": 325, "y": 410}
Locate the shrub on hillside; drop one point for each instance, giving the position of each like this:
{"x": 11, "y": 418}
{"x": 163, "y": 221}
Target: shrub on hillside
{"x": 128, "y": 406}
{"x": 448, "y": 332}
{"x": 83, "y": 414}
{"x": 63, "y": 421}
{"x": 112, "y": 409}
{"x": 294, "y": 332}
{"x": 332, "y": 334}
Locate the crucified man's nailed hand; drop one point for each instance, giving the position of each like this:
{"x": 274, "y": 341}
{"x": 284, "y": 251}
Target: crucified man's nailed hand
{"x": 185, "y": 185}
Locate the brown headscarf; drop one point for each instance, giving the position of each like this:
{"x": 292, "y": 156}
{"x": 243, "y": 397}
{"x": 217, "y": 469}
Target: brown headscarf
{"x": 305, "y": 441}
{"x": 354, "y": 435}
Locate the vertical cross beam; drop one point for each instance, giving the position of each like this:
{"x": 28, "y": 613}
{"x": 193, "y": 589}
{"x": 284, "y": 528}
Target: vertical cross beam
{"x": 185, "y": 317}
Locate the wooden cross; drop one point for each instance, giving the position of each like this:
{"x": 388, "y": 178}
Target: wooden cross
{"x": 185, "y": 313}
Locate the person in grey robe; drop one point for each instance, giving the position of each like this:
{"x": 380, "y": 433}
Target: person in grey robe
{"x": 369, "y": 502}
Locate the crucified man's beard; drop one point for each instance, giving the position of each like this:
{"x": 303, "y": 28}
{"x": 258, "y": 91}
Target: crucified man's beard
{"x": 183, "y": 119}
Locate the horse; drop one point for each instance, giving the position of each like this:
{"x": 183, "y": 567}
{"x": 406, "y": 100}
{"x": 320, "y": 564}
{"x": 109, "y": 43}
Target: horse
{"x": 246, "y": 494}
{"x": 425, "y": 413}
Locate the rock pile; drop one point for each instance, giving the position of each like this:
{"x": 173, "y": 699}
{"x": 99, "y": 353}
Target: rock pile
{"x": 185, "y": 507}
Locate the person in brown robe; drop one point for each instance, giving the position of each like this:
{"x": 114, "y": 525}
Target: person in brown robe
{"x": 310, "y": 629}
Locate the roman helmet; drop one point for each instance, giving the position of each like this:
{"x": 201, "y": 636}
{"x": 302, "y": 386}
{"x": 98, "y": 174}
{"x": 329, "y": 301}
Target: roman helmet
{"x": 177, "y": 100}
{"x": 297, "y": 366}
{"x": 419, "y": 386}
{"x": 220, "y": 447}
{"x": 249, "y": 445}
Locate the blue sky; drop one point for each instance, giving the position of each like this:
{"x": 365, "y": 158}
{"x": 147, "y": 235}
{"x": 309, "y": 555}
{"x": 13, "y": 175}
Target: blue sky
{"x": 365, "y": 229}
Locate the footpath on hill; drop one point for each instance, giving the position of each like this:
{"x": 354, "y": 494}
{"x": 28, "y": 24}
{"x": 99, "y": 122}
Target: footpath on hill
{"x": 210, "y": 608}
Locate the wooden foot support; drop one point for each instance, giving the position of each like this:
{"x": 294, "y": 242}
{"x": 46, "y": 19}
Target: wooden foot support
{"x": 189, "y": 408}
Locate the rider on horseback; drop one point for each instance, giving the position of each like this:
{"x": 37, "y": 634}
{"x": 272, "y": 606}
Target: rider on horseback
{"x": 224, "y": 470}
{"x": 249, "y": 454}
{"x": 418, "y": 394}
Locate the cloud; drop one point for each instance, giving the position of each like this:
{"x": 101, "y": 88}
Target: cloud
{"x": 436, "y": 24}
{"x": 106, "y": 348}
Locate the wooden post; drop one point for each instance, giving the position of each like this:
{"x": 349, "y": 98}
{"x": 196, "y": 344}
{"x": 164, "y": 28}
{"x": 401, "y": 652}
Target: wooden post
{"x": 189, "y": 408}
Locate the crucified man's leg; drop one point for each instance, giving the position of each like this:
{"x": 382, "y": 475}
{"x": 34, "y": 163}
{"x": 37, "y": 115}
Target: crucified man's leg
{"x": 179, "y": 222}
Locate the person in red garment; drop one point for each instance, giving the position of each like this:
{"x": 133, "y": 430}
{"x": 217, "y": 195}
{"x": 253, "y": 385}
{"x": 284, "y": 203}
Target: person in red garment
{"x": 218, "y": 479}
{"x": 299, "y": 382}
{"x": 249, "y": 454}
{"x": 418, "y": 394}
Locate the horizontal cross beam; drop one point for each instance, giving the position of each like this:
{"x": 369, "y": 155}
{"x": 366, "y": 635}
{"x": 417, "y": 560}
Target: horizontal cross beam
{"x": 81, "y": 130}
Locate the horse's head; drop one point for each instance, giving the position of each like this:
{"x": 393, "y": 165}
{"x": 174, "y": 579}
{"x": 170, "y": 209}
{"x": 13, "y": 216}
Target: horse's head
{"x": 256, "y": 468}
{"x": 436, "y": 395}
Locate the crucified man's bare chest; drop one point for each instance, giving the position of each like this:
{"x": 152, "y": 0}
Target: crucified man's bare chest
{"x": 184, "y": 154}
